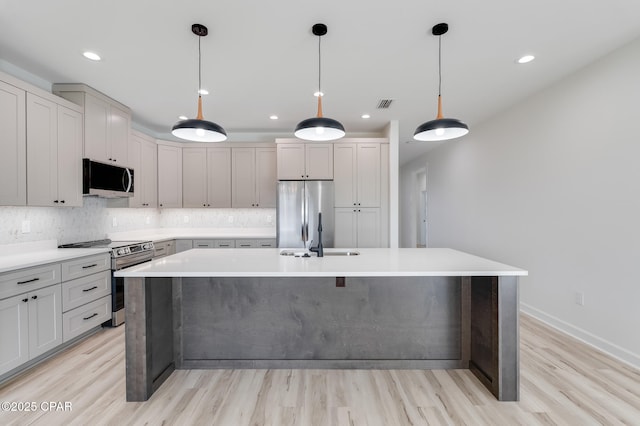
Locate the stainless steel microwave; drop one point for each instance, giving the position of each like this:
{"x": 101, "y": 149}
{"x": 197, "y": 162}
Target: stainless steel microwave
{"x": 106, "y": 180}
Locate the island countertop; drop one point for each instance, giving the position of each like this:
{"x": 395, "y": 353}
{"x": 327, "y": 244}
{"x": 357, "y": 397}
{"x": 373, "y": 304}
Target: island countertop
{"x": 375, "y": 262}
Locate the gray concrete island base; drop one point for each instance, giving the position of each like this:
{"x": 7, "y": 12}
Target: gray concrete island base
{"x": 424, "y": 322}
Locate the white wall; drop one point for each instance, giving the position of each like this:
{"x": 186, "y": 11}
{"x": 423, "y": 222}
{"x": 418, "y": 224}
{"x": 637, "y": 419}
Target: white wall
{"x": 552, "y": 185}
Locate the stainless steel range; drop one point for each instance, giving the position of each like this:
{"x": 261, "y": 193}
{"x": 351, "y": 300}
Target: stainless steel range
{"x": 123, "y": 255}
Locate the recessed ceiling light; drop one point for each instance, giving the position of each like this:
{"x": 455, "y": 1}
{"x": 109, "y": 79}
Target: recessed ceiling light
{"x": 203, "y": 92}
{"x": 365, "y": 116}
{"x": 91, "y": 55}
{"x": 183, "y": 117}
{"x": 316, "y": 94}
{"x": 273, "y": 117}
{"x": 525, "y": 59}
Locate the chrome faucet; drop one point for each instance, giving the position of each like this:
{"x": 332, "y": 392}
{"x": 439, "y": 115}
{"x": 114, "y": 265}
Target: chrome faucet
{"x": 318, "y": 248}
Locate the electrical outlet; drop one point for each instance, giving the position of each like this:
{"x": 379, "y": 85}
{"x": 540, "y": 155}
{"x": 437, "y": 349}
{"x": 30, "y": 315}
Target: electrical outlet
{"x": 185, "y": 219}
{"x": 147, "y": 220}
{"x": 269, "y": 219}
{"x": 26, "y": 226}
{"x": 579, "y": 298}
{"x": 114, "y": 222}
{"x": 230, "y": 219}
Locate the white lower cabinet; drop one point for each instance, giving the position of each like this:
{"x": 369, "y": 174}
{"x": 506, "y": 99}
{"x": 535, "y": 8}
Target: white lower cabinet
{"x": 45, "y": 327}
{"x": 84, "y": 318}
{"x": 86, "y": 299}
{"x": 358, "y": 227}
{"x": 164, "y": 248}
{"x": 183, "y": 245}
{"x": 42, "y": 307}
{"x": 14, "y": 332}
{"x": 30, "y": 325}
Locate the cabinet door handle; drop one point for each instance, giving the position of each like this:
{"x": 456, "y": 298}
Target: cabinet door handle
{"x": 25, "y": 300}
{"x": 62, "y": 201}
{"x": 90, "y": 266}
{"x": 29, "y": 281}
{"x": 34, "y": 297}
{"x": 56, "y": 201}
{"x": 224, "y": 245}
{"x": 89, "y": 289}
{"x": 90, "y": 316}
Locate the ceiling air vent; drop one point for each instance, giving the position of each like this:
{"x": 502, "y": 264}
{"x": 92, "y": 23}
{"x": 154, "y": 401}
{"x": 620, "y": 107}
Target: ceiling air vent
{"x": 384, "y": 103}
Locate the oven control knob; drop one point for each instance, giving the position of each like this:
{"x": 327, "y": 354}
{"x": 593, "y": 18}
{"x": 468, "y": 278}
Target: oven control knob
{"x": 147, "y": 246}
{"x": 122, "y": 251}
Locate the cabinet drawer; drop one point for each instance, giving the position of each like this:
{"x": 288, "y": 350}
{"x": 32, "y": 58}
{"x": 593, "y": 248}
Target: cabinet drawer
{"x": 203, "y": 244}
{"x": 258, "y": 243}
{"x": 224, "y": 243}
{"x": 86, "y": 289}
{"x": 84, "y": 318}
{"x": 266, "y": 243}
{"x": 85, "y": 266}
{"x": 164, "y": 248}
{"x": 246, "y": 243}
{"x": 25, "y": 280}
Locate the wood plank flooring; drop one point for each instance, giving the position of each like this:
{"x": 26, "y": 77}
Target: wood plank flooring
{"x": 563, "y": 382}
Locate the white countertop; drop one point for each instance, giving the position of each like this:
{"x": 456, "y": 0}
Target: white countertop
{"x": 163, "y": 234}
{"x": 380, "y": 262}
{"x": 26, "y": 255}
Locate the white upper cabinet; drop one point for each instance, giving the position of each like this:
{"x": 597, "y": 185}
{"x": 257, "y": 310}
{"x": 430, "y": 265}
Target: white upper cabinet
{"x": 219, "y": 177}
{"x": 169, "y": 176}
{"x": 357, "y": 174}
{"x": 143, "y": 158}
{"x": 107, "y": 123}
{"x": 302, "y": 161}
{"x": 266, "y": 179}
{"x": 206, "y": 178}
{"x": 54, "y": 154}
{"x": 13, "y": 161}
{"x": 253, "y": 182}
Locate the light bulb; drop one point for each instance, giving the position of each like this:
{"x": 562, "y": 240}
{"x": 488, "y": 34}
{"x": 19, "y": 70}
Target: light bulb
{"x": 319, "y": 130}
{"x": 200, "y": 132}
{"x": 440, "y": 131}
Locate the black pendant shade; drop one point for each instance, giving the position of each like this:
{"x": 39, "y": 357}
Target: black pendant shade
{"x": 198, "y": 129}
{"x": 441, "y": 128}
{"x": 319, "y": 128}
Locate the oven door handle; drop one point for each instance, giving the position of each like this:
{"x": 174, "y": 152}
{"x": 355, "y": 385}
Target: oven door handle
{"x": 131, "y": 260}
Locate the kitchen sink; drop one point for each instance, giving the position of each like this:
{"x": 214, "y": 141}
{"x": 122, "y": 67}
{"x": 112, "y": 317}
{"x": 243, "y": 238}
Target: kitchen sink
{"x": 302, "y": 253}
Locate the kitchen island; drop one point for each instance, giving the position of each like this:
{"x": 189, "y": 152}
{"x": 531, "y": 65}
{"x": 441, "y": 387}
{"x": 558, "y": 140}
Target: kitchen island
{"x": 381, "y": 309}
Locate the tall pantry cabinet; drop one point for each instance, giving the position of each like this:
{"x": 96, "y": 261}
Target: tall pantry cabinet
{"x": 357, "y": 180}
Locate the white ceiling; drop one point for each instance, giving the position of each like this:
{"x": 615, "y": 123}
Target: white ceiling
{"x": 260, "y": 57}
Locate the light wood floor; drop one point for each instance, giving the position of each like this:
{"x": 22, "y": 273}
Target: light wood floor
{"x": 562, "y": 382}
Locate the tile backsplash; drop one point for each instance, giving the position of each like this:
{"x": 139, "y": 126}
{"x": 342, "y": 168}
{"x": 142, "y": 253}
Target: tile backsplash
{"x": 95, "y": 219}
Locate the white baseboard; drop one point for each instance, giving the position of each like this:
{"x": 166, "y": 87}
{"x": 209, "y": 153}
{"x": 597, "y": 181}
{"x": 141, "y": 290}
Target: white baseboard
{"x": 584, "y": 336}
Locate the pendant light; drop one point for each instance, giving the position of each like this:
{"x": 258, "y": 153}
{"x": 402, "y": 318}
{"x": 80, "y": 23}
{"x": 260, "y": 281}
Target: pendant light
{"x": 441, "y": 128}
{"x": 198, "y": 129}
{"x": 319, "y": 128}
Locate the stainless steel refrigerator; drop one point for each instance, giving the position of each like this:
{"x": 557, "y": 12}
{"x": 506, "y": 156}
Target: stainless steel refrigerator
{"x": 298, "y": 205}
